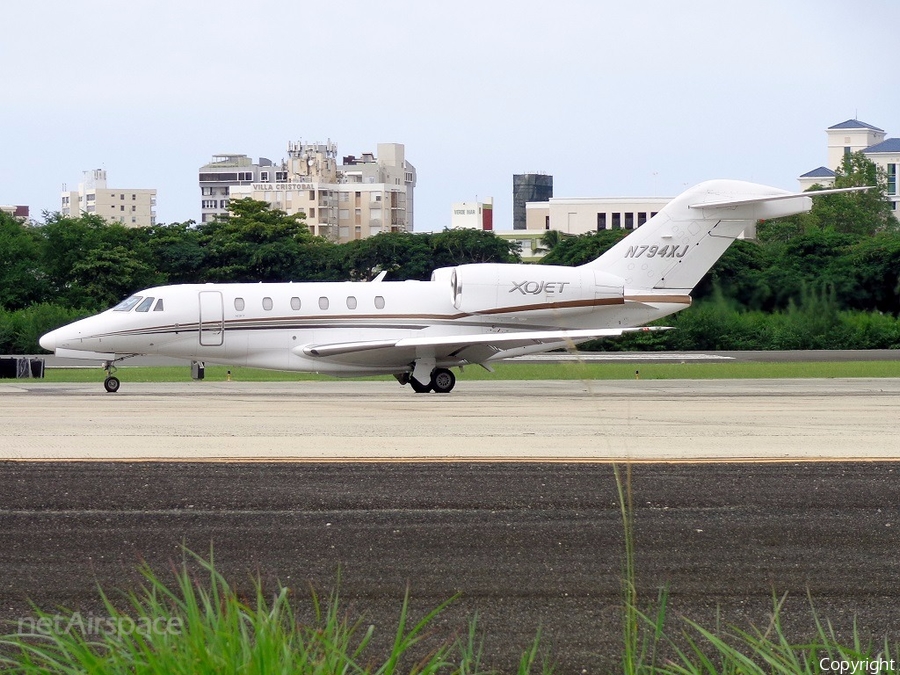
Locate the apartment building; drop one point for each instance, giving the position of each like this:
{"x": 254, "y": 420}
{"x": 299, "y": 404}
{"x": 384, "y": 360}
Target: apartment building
{"x": 130, "y": 207}
{"x": 355, "y": 199}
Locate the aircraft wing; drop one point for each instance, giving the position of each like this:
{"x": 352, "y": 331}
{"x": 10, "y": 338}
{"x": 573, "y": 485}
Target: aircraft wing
{"x": 472, "y": 348}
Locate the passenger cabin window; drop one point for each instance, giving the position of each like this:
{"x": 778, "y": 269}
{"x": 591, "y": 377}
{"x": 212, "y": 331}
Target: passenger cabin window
{"x": 379, "y": 302}
{"x": 127, "y": 305}
{"x": 267, "y": 304}
{"x": 239, "y": 304}
{"x": 351, "y": 302}
{"x": 295, "y": 303}
{"x": 159, "y": 306}
{"x": 323, "y": 302}
{"x": 145, "y": 305}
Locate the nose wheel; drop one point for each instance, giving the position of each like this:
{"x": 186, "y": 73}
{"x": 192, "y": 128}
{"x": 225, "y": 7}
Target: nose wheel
{"x": 111, "y": 383}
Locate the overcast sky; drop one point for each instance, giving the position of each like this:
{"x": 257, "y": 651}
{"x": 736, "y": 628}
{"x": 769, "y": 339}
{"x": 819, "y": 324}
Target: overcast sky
{"x": 625, "y": 98}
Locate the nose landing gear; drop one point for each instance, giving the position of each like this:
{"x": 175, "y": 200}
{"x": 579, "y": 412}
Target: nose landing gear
{"x": 111, "y": 383}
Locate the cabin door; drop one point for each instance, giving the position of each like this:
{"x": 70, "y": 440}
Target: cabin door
{"x": 212, "y": 319}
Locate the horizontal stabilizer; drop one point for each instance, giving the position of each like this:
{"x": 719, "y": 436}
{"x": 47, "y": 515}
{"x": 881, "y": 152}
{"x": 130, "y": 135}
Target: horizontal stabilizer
{"x": 774, "y": 198}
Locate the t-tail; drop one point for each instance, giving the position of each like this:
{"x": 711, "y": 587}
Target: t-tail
{"x": 672, "y": 251}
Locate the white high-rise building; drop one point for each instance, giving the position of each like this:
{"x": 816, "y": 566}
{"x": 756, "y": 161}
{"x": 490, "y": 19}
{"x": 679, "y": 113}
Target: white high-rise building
{"x": 130, "y": 207}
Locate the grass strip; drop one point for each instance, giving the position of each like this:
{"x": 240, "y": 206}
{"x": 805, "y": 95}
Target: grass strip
{"x": 520, "y": 371}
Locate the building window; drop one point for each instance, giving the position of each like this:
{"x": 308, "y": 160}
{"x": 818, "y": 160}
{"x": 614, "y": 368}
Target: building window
{"x": 892, "y": 179}
{"x": 281, "y": 176}
{"x": 642, "y": 218}
{"x": 617, "y": 221}
{"x": 133, "y": 197}
{"x": 222, "y": 203}
{"x": 546, "y": 222}
{"x": 601, "y": 221}
{"x": 209, "y": 203}
{"x": 629, "y": 221}
{"x": 323, "y": 302}
{"x": 295, "y": 303}
{"x": 264, "y": 176}
{"x": 122, "y": 208}
{"x": 239, "y": 304}
{"x": 268, "y": 304}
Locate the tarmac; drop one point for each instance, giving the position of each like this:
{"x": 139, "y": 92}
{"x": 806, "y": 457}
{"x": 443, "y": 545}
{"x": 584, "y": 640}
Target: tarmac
{"x": 645, "y": 420}
{"x": 498, "y": 494}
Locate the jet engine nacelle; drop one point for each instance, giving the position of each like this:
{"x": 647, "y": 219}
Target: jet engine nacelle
{"x": 480, "y": 288}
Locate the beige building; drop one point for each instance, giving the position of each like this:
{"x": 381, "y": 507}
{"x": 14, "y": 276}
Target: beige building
{"x": 360, "y": 197}
{"x": 856, "y": 136}
{"x": 579, "y": 215}
{"x": 130, "y": 207}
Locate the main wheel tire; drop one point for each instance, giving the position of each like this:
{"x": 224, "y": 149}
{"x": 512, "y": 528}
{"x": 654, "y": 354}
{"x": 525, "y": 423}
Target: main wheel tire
{"x": 443, "y": 380}
{"x": 112, "y": 384}
{"x": 419, "y": 388}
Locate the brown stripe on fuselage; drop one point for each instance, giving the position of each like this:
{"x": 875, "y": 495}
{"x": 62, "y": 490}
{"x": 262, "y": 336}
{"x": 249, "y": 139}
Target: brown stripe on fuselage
{"x": 553, "y": 305}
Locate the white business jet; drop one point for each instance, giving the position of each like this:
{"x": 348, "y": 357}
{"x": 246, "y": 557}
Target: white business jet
{"x": 419, "y": 330}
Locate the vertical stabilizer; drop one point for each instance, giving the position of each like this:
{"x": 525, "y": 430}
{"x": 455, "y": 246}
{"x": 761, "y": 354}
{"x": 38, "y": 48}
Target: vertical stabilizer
{"x": 674, "y": 249}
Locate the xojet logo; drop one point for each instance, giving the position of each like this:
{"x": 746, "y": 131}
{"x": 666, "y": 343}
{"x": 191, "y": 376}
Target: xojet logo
{"x": 538, "y": 287}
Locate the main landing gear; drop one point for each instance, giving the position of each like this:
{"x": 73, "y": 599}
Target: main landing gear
{"x": 442, "y": 381}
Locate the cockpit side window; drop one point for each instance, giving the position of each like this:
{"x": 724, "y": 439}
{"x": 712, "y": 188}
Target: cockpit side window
{"x": 145, "y": 305}
{"x": 127, "y": 305}
{"x": 159, "y": 306}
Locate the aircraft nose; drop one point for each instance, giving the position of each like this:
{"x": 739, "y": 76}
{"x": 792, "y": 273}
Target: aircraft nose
{"x": 48, "y": 341}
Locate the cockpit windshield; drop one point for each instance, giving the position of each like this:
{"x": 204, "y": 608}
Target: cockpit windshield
{"x": 127, "y": 305}
{"x": 145, "y": 305}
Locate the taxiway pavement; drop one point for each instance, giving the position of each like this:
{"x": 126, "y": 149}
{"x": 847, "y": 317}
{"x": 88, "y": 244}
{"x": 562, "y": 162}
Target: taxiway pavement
{"x": 644, "y": 420}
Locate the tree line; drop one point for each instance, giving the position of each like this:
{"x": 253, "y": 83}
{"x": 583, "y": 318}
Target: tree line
{"x": 829, "y": 278}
